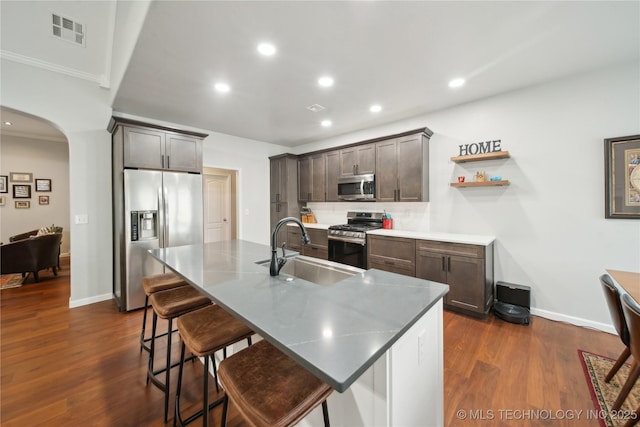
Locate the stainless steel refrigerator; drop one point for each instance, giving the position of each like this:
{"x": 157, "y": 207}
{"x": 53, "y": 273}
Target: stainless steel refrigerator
{"x": 159, "y": 209}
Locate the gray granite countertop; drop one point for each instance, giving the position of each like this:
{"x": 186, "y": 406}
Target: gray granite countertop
{"x": 335, "y": 331}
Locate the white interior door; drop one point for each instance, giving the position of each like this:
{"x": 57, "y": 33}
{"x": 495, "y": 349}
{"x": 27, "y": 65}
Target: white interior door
{"x": 217, "y": 221}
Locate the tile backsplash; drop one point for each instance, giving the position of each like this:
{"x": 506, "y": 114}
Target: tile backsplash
{"x": 406, "y": 215}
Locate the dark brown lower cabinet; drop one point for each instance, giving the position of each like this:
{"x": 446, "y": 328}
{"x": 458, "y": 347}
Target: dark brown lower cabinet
{"x": 394, "y": 254}
{"x": 467, "y": 269}
{"x": 319, "y": 246}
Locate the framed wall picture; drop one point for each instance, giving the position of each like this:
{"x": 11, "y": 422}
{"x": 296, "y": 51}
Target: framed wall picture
{"x": 43, "y": 200}
{"x": 3, "y": 200}
{"x": 43, "y": 184}
{"x": 21, "y": 177}
{"x": 23, "y": 204}
{"x": 622, "y": 177}
{"x": 21, "y": 191}
{"x": 4, "y": 188}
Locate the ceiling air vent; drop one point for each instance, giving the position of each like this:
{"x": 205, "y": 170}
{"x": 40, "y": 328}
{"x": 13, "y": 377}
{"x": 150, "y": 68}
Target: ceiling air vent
{"x": 315, "y": 108}
{"x": 66, "y": 29}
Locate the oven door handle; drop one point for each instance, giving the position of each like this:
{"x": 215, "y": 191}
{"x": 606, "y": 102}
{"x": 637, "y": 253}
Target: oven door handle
{"x": 347, "y": 239}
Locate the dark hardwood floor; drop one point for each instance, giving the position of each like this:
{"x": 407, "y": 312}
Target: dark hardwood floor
{"x": 82, "y": 366}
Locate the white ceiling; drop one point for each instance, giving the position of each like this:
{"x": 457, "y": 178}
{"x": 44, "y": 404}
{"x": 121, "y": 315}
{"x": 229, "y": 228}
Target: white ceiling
{"x": 395, "y": 53}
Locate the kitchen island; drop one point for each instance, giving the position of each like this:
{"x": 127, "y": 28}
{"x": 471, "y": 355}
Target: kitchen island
{"x": 375, "y": 337}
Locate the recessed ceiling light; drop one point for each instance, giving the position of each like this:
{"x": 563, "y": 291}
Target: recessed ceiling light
{"x": 456, "y": 82}
{"x": 267, "y": 49}
{"x": 222, "y": 87}
{"x": 326, "y": 123}
{"x": 325, "y": 81}
{"x": 8, "y": 123}
{"x": 375, "y": 108}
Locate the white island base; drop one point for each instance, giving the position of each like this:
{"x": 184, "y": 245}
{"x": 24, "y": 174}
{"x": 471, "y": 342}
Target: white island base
{"x": 403, "y": 388}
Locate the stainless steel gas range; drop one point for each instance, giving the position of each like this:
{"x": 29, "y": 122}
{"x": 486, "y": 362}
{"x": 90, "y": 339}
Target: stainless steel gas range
{"x": 348, "y": 242}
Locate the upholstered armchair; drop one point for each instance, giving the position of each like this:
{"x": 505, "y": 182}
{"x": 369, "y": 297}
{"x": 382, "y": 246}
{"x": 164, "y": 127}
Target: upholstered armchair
{"x": 31, "y": 255}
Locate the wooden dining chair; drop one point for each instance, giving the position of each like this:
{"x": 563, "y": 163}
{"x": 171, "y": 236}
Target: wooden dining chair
{"x": 632, "y": 315}
{"x": 612, "y": 295}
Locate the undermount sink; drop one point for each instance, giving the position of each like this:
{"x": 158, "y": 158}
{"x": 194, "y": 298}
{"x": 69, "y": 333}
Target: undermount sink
{"x": 316, "y": 270}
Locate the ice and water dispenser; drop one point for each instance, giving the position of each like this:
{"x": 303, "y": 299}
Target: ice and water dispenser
{"x": 144, "y": 225}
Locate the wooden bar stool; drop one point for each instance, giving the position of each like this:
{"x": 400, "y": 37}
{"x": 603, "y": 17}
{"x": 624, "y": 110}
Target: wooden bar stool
{"x": 151, "y": 285}
{"x": 204, "y": 332}
{"x": 269, "y": 388}
{"x": 169, "y": 305}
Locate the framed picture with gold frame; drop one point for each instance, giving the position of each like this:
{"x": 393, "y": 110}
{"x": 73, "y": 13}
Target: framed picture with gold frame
{"x": 622, "y": 177}
{"x": 22, "y": 204}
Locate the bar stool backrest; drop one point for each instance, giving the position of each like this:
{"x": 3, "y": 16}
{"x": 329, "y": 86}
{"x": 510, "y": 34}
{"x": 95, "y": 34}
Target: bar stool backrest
{"x": 612, "y": 294}
{"x": 632, "y": 315}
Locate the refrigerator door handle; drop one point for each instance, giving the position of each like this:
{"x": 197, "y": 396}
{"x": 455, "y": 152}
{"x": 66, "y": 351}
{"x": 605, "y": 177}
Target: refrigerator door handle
{"x": 161, "y": 214}
{"x": 165, "y": 207}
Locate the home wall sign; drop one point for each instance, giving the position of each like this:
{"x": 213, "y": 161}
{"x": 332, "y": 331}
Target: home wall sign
{"x": 480, "y": 148}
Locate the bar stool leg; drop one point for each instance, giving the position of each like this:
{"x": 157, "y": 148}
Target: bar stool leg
{"x": 205, "y": 398}
{"x": 325, "y": 413}
{"x": 167, "y": 375}
{"x": 144, "y": 322}
{"x": 152, "y": 347}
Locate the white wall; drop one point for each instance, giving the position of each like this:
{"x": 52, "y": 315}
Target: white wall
{"x": 81, "y": 110}
{"x": 43, "y": 159}
{"x": 549, "y": 223}
{"x": 251, "y": 159}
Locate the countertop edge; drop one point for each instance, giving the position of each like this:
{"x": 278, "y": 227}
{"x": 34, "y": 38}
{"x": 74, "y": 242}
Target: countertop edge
{"x": 468, "y": 239}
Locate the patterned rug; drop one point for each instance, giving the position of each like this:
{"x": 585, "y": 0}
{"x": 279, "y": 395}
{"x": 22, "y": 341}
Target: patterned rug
{"x": 603, "y": 394}
{"x": 10, "y": 281}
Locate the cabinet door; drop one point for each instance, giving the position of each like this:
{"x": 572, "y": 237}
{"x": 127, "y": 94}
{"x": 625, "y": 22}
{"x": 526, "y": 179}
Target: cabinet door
{"x": 332, "y": 171}
{"x": 304, "y": 179}
{"x": 410, "y": 164}
{"x": 278, "y": 180}
{"x": 465, "y": 277}
{"x": 386, "y": 171}
{"x": 348, "y": 161}
{"x": 366, "y": 159}
{"x": 143, "y": 148}
{"x": 431, "y": 266}
{"x": 317, "y": 163}
{"x": 277, "y": 212}
{"x": 183, "y": 153}
{"x": 294, "y": 239}
{"x": 395, "y": 254}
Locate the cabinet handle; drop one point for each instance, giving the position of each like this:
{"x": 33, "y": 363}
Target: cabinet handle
{"x": 449, "y": 263}
{"x": 390, "y": 263}
{"x": 444, "y": 263}
{"x": 168, "y": 160}
{"x": 354, "y": 169}
{"x": 162, "y": 160}
{"x": 398, "y": 194}
{"x": 278, "y": 197}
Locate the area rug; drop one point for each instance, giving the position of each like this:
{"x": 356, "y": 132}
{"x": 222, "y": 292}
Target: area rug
{"x": 10, "y": 281}
{"x": 604, "y": 394}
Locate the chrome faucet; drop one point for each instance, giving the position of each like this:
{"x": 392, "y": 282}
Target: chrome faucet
{"x": 277, "y": 263}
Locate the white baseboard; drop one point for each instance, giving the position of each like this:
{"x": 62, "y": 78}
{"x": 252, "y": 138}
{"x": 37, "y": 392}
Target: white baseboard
{"x": 91, "y": 300}
{"x": 578, "y": 321}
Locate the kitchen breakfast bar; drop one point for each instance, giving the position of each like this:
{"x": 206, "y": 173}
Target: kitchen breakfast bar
{"x": 375, "y": 337}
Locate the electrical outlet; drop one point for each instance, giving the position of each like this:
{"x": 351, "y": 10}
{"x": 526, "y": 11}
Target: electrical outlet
{"x": 82, "y": 219}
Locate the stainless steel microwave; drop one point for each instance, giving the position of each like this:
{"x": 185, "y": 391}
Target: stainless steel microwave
{"x": 357, "y": 187}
